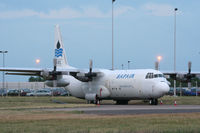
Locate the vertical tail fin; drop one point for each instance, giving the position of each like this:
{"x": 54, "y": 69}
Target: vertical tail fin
{"x": 60, "y": 54}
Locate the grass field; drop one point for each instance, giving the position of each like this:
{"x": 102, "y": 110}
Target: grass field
{"x": 41, "y": 102}
{"x": 17, "y": 116}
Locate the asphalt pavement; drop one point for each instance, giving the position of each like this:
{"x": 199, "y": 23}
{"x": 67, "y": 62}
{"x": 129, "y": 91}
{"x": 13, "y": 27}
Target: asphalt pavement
{"x": 133, "y": 109}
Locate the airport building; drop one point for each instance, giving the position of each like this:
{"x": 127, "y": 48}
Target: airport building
{"x": 23, "y": 85}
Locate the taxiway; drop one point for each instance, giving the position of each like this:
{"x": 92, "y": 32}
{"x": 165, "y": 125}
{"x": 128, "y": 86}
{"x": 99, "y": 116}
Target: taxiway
{"x": 133, "y": 109}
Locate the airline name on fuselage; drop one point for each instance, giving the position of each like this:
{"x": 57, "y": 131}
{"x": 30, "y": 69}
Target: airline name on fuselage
{"x": 125, "y": 76}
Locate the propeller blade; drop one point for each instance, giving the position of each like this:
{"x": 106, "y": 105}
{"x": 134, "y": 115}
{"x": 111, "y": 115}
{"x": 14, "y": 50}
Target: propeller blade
{"x": 54, "y": 69}
{"x": 54, "y": 64}
{"x": 189, "y": 67}
{"x": 91, "y": 63}
{"x": 86, "y": 77}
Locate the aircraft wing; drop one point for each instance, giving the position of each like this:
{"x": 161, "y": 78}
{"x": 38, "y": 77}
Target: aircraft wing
{"x": 181, "y": 74}
{"x": 172, "y": 73}
{"x": 80, "y": 74}
{"x": 22, "y": 71}
{"x": 185, "y": 75}
{"x": 33, "y": 71}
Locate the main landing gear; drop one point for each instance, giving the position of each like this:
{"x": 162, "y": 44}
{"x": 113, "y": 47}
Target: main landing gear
{"x": 97, "y": 102}
{"x": 153, "y": 101}
{"x": 122, "y": 102}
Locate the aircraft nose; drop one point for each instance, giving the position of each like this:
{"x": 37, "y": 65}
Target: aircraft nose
{"x": 163, "y": 87}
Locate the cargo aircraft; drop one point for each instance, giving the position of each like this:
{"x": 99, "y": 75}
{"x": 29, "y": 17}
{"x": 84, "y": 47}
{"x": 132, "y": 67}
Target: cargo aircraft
{"x": 95, "y": 85}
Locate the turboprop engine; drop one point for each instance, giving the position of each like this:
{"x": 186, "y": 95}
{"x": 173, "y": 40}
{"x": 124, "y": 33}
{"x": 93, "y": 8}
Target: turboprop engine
{"x": 59, "y": 83}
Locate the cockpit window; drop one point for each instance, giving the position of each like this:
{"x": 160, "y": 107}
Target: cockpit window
{"x": 147, "y": 76}
{"x": 158, "y": 75}
{"x": 151, "y": 75}
{"x": 155, "y": 76}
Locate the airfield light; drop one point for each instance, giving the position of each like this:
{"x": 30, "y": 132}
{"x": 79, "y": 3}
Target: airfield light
{"x": 37, "y": 61}
{"x": 159, "y": 58}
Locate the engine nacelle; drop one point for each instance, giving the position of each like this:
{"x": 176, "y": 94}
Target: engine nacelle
{"x": 59, "y": 83}
{"x": 45, "y": 74}
{"x": 91, "y": 97}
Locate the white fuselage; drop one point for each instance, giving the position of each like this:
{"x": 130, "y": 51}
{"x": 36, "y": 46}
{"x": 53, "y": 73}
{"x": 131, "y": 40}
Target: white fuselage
{"x": 121, "y": 85}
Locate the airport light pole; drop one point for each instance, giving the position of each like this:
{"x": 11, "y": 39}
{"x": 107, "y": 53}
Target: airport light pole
{"x": 175, "y": 10}
{"x": 156, "y": 65}
{"x": 122, "y": 66}
{"x": 129, "y": 64}
{"x": 112, "y": 36}
{"x": 159, "y": 58}
{"x": 37, "y": 61}
{"x": 3, "y": 83}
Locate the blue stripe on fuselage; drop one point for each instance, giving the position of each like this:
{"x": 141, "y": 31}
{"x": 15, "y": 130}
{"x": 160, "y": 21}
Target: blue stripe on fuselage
{"x": 125, "y": 76}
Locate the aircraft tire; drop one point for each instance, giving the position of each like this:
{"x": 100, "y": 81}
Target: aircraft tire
{"x": 122, "y": 102}
{"x": 156, "y": 102}
{"x": 93, "y": 101}
{"x": 88, "y": 101}
{"x": 153, "y": 101}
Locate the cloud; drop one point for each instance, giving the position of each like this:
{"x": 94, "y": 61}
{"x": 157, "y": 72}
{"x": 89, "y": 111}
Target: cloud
{"x": 92, "y": 12}
{"x": 17, "y": 14}
{"x": 2, "y": 5}
{"x": 123, "y": 9}
{"x": 65, "y": 13}
{"x": 159, "y": 9}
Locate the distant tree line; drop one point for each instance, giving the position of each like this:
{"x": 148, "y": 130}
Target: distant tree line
{"x": 36, "y": 79}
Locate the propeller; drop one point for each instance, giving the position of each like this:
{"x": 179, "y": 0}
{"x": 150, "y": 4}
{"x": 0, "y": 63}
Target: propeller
{"x": 53, "y": 75}
{"x": 189, "y": 75}
{"x": 186, "y": 77}
{"x": 90, "y": 74}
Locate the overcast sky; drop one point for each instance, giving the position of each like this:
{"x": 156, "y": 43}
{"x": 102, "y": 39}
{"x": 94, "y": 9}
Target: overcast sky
{"x": 143, "y": 29}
